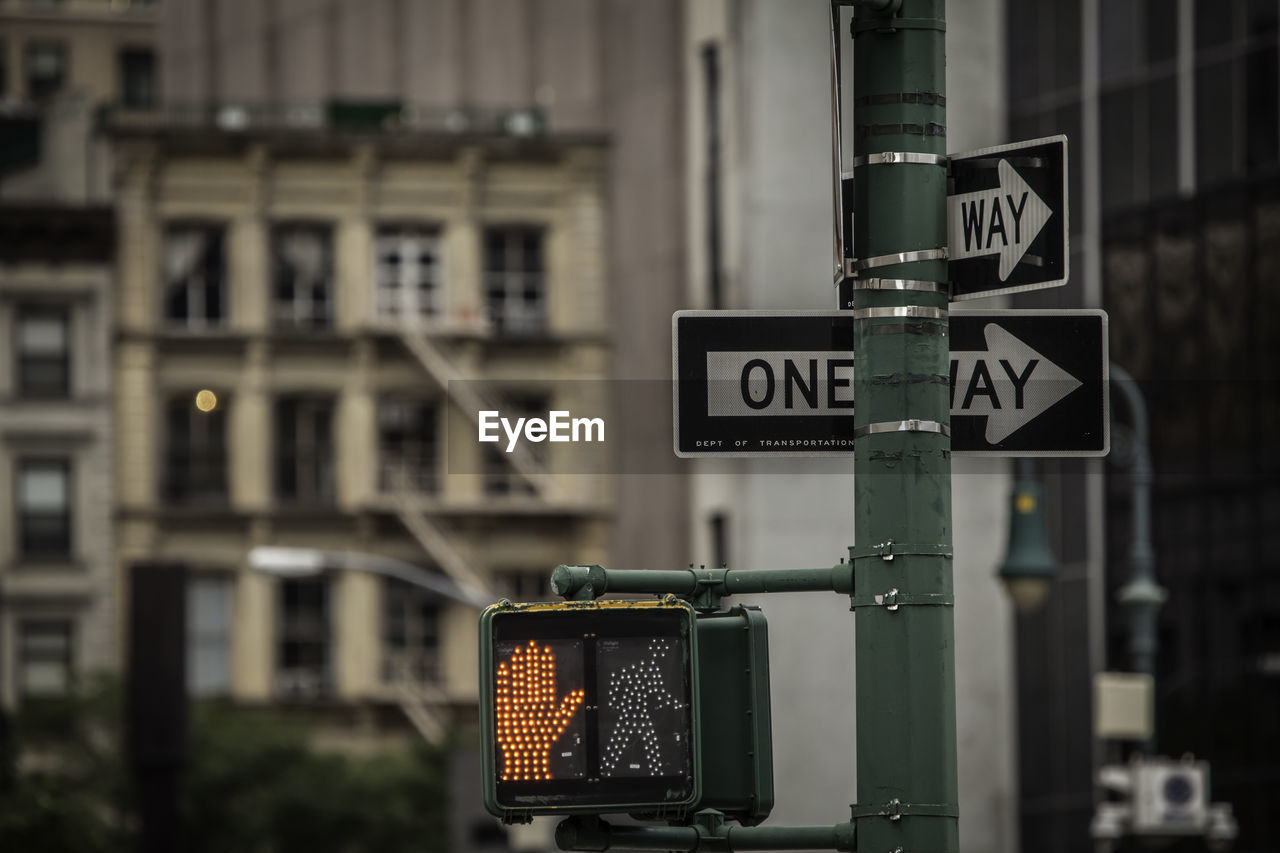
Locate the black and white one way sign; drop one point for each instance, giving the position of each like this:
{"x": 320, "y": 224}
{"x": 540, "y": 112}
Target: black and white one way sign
{"x": 1023, "y": 383}
{"x": 1007, "y": 218}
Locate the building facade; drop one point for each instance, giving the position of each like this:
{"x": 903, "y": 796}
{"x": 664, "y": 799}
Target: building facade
{"x": 59, "y": 62}
{"x": 57, "y": 599}
{"x": 299, "y": 334}
{"x": 413, "y": 207}
{"x": 1174, "y": 122}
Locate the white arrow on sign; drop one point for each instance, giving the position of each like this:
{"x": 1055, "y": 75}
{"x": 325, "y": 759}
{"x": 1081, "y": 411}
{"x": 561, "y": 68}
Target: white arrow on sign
{"x": 1001, "y": 221}
{"x": 1010, "y": 383}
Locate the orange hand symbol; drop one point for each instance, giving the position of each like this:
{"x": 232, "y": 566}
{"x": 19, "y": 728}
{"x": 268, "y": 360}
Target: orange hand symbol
{"x": 528, "y": 721}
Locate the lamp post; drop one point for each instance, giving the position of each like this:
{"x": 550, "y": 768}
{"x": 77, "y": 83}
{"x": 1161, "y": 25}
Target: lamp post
{"x": 291, "y": 563}
{"x": 1028, "y": 567}
{"x": 1142, "y": 595}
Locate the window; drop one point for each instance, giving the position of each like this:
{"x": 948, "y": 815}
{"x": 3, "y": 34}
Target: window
{"x": 408, "y": 272}
{"x": 43, "y": 357}
{"x": 208, "y": 636}
{"x": 719, "y": 530}
{"x": 407, "y": 446}
{"x": 138, "y": 77}
{"x": 500, "y": 476}
{"x": 514, "y": 281}
{"x": 44, "y": 652}
{"x": 194, "y": 279}
{"x": 304, "y": 450}
{"x": 1237, "y": 98}
{"x": 195, "y": 469}
{"x": 411, "y": 634}
{"x": 711, "y": 174}
{"x": 523, "y": 584}
{"x": 46, "y": 69}
{"x": 303, "y": 634}
{"x": 302, "y": 275}
{"x": 44, "y": 509}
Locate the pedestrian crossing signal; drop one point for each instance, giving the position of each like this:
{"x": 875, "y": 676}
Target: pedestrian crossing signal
{"x": 589, "y": 707}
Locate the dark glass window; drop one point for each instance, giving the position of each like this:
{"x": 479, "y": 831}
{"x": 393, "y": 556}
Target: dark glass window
{"x": 1024, "y": 49}
{"x": 515, "y": 287}
{"x": 1217, "y": 124}
{"x": 195, "y": 470}
{"x": 43, "y": 352}
{"x": 304, "y": 450}
{"x": 1262, "y": 108}
{"x": 1120, "y": 141}
{"x": 1214, "y": 23}
{"x": 411, "y": 634}
{"x": 46, "y": 69}
{"x": 44, "y": 658}
{"x": 138, "y": 77}
{"x": 1063, "y": 39}
{"x": 407, "y": 446}
{"x": 1162, "y": 130}
{"x": 303, "y": 639}
{"x": 1162, "y": 31}
{"x": 1119, "y": 34}
{"x": 194, "y": 276}
{"x": 302, "y": 277}
{"x": 44, "y": 509}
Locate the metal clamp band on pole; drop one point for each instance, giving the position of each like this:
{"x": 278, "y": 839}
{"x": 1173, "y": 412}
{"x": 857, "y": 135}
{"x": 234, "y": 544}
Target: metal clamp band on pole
{"x": 893, "y": 599}
{"x": 888, "y": 550}
{"x": 895, "y": 809}
{"x": 901, "y": 312}
{"x": 909, "y": 425}
{"x": 899, "y": 284}
{"x": 893, "y": 158}
{"x": 856, "y": 265}
{"x": 862, "y": 25}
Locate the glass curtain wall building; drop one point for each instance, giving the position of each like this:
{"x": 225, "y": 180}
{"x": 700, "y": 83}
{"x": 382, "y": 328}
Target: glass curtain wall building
{"x": 1173, "y": 110}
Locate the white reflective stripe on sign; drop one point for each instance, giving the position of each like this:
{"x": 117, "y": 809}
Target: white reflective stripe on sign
{"x": 797, "y": 382}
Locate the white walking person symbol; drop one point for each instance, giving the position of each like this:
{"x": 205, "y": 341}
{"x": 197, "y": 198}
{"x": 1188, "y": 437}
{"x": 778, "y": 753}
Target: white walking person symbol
{"x": 636, "y": 691}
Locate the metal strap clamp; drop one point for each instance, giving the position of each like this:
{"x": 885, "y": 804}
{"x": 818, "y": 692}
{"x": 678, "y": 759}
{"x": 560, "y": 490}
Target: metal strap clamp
{"x": 893, "y": 599}
{"x": 898, "y": 284}
{"x": 909, "y": 425}
{"x": 901, "y": 312}
{"x": 855, "y": 265}
{"x": 887, "y": 550}
{"x": 893, "y": 158}
{"x": 895, "y": 809}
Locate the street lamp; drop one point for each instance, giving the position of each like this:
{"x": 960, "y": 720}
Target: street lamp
{"x": 1028, "y": 567}
{"x": 291, "y": 563}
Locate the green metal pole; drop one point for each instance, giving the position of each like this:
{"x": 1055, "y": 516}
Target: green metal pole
{"x": 906, "y": 722}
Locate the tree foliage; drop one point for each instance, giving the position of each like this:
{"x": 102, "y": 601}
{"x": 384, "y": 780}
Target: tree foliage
{"x": 250, "y": 784}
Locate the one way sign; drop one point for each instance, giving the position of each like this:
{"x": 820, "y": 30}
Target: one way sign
{"x": 1029, "y": 383}
{"x": 1007, "y": 218}
{"x": 1023, "y": 383}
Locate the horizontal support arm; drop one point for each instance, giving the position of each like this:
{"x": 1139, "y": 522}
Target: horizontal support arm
{"x": 597, "y": 835}
{"x": 587, "y": 582}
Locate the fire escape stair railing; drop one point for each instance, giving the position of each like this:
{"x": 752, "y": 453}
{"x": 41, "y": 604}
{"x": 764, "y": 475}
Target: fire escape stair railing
{"x": 424, "y": 703}
{"x": 453, "y": 382}
{"x": 441, "y": 550}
